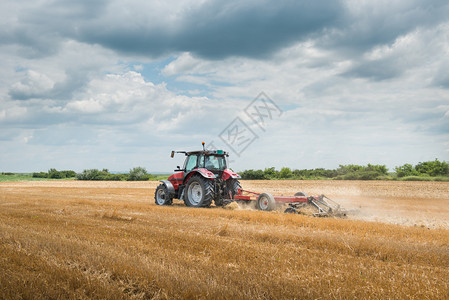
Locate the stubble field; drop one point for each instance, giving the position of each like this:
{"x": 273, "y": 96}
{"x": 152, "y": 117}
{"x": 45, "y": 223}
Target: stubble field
{"x": 67, "y": 240}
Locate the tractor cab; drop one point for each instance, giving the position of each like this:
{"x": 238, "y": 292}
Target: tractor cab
{"x": 210, "y": 164}
{"x": 209, "y": 160}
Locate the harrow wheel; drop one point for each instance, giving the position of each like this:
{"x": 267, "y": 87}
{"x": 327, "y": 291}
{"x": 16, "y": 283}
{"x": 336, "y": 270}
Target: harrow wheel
{"x": 300, "y": 194}
{"x": 266, "y": 202}
{"x": 199, "y": 192}
{"x": 291, "y": 210}
{"x": 161, "y": 196}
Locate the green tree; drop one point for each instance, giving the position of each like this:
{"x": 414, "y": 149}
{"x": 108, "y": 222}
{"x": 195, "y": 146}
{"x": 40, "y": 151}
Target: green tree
{"x": 40, "y": 175}
{"x": 53, "y": 173}
{"x": 381, "y": 169}
{"x": 433, "y": 168}
{"x": 285, "y": 173}
{"x": 138, "y": 173}
{"x": 271, "y": 173}
{"x": 90, "y": 174}
{"x": 253, "y": 174}
{"x": 406, "y": 170}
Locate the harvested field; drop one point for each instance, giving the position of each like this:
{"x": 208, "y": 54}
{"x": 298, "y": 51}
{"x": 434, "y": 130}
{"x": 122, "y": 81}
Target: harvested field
{"x": 109, "y": 240}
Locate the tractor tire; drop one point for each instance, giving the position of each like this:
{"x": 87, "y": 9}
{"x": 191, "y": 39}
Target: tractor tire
{"x": 232, "y": 185}
{"x": 235, "y": 184}
{"x": 235, "y": 191}
{"x": 199, "y": 192}
{"x": 219, "y": 202}
{"x": 266, "y": 202}
{"x": 161, "y": 196}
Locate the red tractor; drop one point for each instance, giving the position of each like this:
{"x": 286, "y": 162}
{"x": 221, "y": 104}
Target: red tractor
{"x": 204, "y": 178}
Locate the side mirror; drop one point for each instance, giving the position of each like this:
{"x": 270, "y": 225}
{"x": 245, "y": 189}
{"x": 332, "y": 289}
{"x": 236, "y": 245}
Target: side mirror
{"x": 172, "y": 154}
{"x": 178, "y": 169}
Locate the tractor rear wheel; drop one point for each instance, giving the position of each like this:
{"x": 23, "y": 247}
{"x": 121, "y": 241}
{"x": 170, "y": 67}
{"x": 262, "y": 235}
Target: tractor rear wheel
{"x": 161, "y": 196}
{"x": 266, "y": 202}
{"x": 235, "y": 187}
{"x": 199, "y": 192}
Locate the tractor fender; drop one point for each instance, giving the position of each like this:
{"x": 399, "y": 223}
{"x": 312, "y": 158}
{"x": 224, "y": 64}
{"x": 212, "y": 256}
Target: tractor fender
{"x": 201, "y": 171}
{"x": 169, "y": 186}
{"x": 230, "y": 174}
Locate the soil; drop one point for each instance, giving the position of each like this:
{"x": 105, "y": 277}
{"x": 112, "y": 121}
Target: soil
{"x": 422, "y": 204}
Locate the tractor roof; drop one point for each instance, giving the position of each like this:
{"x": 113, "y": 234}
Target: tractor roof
{"x": 209, "y": 152}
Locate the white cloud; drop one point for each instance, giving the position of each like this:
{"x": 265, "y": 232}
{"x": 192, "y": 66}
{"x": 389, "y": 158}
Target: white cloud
{"x": 85, "y": 106}
{"x": 33, "y": 86}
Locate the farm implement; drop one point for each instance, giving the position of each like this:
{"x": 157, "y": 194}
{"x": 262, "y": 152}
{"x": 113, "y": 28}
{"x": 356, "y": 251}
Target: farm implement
{"x": 205, "y": 178}
{"x": 322, "y": 205}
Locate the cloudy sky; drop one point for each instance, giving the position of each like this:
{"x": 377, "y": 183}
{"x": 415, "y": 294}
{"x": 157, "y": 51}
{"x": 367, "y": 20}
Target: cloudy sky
{"x": 304, "y": 84}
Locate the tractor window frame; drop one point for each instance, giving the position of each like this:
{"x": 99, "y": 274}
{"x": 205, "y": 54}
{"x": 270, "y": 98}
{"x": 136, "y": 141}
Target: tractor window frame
{"x": 191, "y": 162}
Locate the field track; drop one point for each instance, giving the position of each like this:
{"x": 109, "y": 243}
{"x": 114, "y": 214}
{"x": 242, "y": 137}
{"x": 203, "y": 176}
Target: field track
{"x": 72, "y": 239}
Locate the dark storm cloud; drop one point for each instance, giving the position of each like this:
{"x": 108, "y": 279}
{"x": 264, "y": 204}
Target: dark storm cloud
{"x": 367, "y": 25}
{"x": 441, "y": 78}
{"x": 375, "y": 70}
{"x": 216, "y": 29}
{"x": 40, "y": 28}
{"x": 221, "y": 28}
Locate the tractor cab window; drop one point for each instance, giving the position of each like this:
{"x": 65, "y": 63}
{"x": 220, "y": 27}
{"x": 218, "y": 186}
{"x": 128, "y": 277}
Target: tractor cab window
{"x": 215, "y": 163}
{"x": 191, "y": 163}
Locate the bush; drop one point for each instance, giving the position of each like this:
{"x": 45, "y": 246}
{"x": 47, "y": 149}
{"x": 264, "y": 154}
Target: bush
{"x": 441, "y": 178}
{"x": 271, "y": 173}
{"x": 344, "y": 172}
{"x": 416, "y": 178}
{"x": 40, "y": 175}
{"x": 55, "y": 174}
{"x": 134, "y": 174}
{"x": 91, "y": 174}
{"x": 69, "y": 174}
{"x": 347, "y": 169}
{"x": 117, "y": 177}
{"x": 369, "y": 175}
{"x": 138, "y": 174}
{"x": 253, "y": 174}
{"x": 427, "y": 168}
{"x": 285, "y": 173}
{"x": 381, "y": 169}
{"x": 406, "y": 170}
{"x": 433, "y": 168}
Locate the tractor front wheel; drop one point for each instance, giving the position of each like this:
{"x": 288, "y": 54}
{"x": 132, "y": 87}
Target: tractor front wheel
{"x": 161, "y": 196}
{"x": 199, "y": 192}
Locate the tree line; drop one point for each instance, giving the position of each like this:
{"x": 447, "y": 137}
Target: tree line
{"x": 434, "y": 170}
{"x": 429, "y": 170}
{"x": 135, "y": 174}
